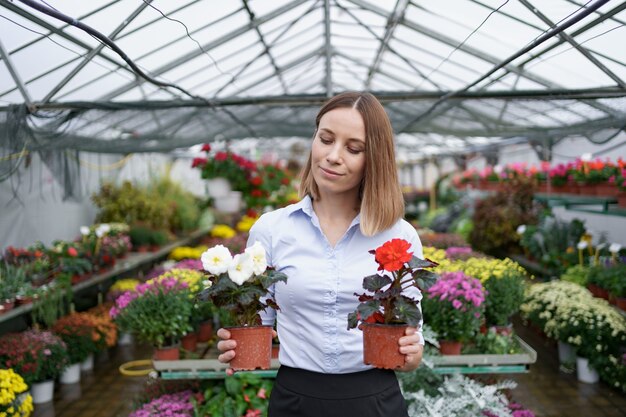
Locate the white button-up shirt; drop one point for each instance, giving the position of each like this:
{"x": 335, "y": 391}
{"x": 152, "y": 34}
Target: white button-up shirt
{"x": 319, "y": 293}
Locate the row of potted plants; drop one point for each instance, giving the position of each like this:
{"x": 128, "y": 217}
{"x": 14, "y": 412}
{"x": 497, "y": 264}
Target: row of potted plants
{"x": 596, "y": 331}
{"x": 582, "y": 176}
{"x": 603, "y": 281}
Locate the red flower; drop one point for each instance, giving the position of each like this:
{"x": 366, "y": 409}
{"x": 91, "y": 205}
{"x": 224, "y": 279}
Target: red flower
{"x": 256, "y": 181}
{"x": 285, "y": 181}
{"x": 221, "y": 156}
{"x": 252, "y": 213}
{"x": 72, "y": 252}
{"x": 377, "y": 317}
{"x": 392, "y": 255}
{"x": 206, "y": 147}
{"x": 256, "y": 193}
{"x": 198, "y": 162}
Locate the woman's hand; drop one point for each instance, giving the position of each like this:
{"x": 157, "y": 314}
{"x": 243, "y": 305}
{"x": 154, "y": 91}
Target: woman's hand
{"x": 410, "y": 346}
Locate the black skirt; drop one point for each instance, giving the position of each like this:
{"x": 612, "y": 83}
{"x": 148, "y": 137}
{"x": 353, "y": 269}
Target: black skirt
{"x": 300, "y": 393}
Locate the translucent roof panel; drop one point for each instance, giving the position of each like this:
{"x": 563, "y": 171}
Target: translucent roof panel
{"x": 455, "y": 75}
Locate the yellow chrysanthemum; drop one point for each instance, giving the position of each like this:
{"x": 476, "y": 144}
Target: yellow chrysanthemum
{"x": 245, "y": 223}
{"x": 192, "y": 277}
{"x": 223, "y": 231}
{"x": 123, "y": 285}
{"x": 186, "y": 252}
{"x": 11, "y": 398}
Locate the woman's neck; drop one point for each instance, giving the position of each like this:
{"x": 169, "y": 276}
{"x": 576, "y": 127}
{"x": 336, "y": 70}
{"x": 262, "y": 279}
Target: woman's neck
{"x": 338, "y": 207}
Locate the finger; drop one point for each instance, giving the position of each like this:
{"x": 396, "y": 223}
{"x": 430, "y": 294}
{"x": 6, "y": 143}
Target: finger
{"x": 409, "y": 340}
{"x": 230, "y": 371}
{"x": 410, "y": 349}
{"x": 410, "y": 330}
{"x": 226, "y": 357}
{"x": 223, "y": 334}
{"x": 274, "y": 334}
{"x": 226, "y": 345}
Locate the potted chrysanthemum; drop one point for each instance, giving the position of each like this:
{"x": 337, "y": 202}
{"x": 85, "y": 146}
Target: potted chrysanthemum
{"x": 454, "y": 306}
{"x": 385, "y": 311}
{"x": 239, "y": 285}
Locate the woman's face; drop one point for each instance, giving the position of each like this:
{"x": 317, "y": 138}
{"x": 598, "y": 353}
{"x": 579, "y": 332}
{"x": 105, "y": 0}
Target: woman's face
{"x": 338, "y": 152}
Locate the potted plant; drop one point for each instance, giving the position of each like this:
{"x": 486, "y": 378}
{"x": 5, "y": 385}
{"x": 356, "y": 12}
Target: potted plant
{"x": 158, "y": 313}
{"x": 454, "y": 306}
{"x": 77, "y": 332}
{"x": 39, "y": 357}
{"x": 384, "y": 310}
{"x": 15, "y": 401}
{"x": 239, "y": 286}
{"x": 505, "y": 294}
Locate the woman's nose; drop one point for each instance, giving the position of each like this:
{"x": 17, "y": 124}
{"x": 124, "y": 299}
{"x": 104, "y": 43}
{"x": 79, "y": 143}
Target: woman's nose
{"x": 334, "y": 155}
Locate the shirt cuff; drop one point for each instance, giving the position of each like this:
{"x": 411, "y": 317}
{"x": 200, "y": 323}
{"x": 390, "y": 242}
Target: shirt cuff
{"x": 421, "y": 341}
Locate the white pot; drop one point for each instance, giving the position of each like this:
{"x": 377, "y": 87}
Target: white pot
{"x": 567, "y": 354}
{"x": 125, "y": 339}
{"x": 71, "y": 375}
{"x": 585, "y": 372}
{"x": 42, "y": 392}
{"x": 87, "y": 364}
{"x": 218, "y": 187}
{"x": 230, "y": 203}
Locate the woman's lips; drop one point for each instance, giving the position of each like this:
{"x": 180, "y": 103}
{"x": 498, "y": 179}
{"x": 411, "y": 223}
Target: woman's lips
{"x": 330, "y": 172}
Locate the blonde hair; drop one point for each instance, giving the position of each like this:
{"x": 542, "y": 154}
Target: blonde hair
{"x": 382, "y": 204}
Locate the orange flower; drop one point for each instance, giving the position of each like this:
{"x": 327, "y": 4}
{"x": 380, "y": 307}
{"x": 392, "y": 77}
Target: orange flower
{"x": 392, "y": 255}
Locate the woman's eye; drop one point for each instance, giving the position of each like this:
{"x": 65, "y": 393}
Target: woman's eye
{"x": 325, "y": 141}
{"x": 355, "y": 151}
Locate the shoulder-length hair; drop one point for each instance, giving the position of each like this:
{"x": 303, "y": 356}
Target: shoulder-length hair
{"x": 382, "y": 204}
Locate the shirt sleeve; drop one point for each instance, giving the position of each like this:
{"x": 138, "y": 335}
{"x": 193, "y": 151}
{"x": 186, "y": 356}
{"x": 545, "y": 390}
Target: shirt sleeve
{"x": 260, "y": 232}
{"x": 414, "y": 292}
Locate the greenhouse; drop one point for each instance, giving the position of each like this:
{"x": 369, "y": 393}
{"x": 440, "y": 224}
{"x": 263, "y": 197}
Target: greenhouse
{"x": 170, "y": 170}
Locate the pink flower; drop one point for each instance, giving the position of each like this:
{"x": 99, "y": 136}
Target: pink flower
{"x": 261, "y": 393}
{"x": 456, "y": 304}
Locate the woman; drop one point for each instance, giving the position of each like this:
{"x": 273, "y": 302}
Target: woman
{"x": 351, "y": 203}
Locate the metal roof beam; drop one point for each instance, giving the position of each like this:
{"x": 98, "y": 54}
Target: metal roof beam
{"x": 564, "y": 36}
{"x": 16, "y": 76}
{"x": 209, "y": 45}
{"x": 328, "y": 49}
{"x": 95, "y": 51}
{"x": 396, "y": 15}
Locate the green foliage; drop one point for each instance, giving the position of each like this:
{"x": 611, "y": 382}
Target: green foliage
{"x": 552, "y": 243}
{"x": 421, "y": 379}
{"x": 497, "y": 217}
{"x": 464, "y": 227}
{"x": 492, "y": 343}
{"x": 12, "y": 281}
{"x": 505, "y": 294}
{"x": 449, "y": 323}
{"x": 577, "y": 274}
{"x": 612, "y": 278}
{"x": 130, "y": 204}
{"x": 140, "y": 236}
{"x": 185, "y": 206}
{"x": 233, "y": 398}
{"x": 53, "y": 303}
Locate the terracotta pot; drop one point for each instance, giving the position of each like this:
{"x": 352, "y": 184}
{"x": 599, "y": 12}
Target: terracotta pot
{"x": 602, "y": 293}
{"x": 450, "y": 347}
{"x": 612, "y": 299}
{"x": 205, "y": 331}
{"x": 621, "y": 199}
{"x": 594, "y": 290}
{"x": 6, "y": 305}
{"x": 275, "y": 350}
{"x": 189, "y": 342}
{"x": 606, "y": 190}
{"x": 380, "y": 345}
{"x": 620, "y": 302}
{"x": 254, "y": 347}
{"x": 169, "y": 353}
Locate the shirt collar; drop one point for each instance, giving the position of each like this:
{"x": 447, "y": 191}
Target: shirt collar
{"x": 306, "y": 206}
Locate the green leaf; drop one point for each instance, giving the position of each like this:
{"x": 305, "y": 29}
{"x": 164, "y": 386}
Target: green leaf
{"x": 406, "y": 310}
{"x": 353, "y": 320}
{"x": 271, "y": 277}
{"x": 233, "y": 385}
{"x": 416, "y": 262}
{"x": 425, "y": 279}
{"x": 376, "y": 282}
{"x": 368, "y": 308}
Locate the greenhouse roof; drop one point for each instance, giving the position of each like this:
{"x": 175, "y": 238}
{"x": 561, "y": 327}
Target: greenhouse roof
{"x": 455, "y": 76}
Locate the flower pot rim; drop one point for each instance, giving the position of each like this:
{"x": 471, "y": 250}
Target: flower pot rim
{"x": 247, "y": 327}
{"x": 385, "y": 324}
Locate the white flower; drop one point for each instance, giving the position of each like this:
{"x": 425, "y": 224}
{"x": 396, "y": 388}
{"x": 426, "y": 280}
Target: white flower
{"x": 216, "y": 259}
{"x": 582, "y": 245}
{"x": 241, "y": 268}
{"x": 521, "y": 229}
{"x": 586, "y": 157}
{"x": 498, "y": 169}
{"x": 206, "y": 283}
{"x": 615, "y": 247}
{"x": 257, "y": 253}
{"x": 102, "y": 230}
{"x": 84, "y": 230}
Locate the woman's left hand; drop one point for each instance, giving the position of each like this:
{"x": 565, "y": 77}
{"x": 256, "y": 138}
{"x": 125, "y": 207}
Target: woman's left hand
{"x": 410, "y": 346}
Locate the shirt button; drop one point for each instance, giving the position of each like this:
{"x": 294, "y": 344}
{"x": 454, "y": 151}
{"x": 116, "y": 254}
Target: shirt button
{"x": 331, "y": 293}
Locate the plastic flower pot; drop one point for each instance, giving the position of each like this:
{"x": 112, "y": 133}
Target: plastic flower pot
{"x": 169, "y": 353}
{"x": 87, "y": 364}
{"x": 380, "y": 345}
{"x": 450, "y": 347}
{"x": 254, "y": 347}
{"x": 586, "y": 373}
{"x": 567, "y": 354}
{"x": 42, "y": 392}
{"x": 189, "y": 342}
{"x": 205, "y": 331}
{"x": 620, "y": 302}
{"x": 218, "y": 187}
{"x": 230, "y": 203}
{"x": 71, "y": 374}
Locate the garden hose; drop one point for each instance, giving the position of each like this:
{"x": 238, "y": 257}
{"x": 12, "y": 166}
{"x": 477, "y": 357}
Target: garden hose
{"x": 126, "y": 369}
